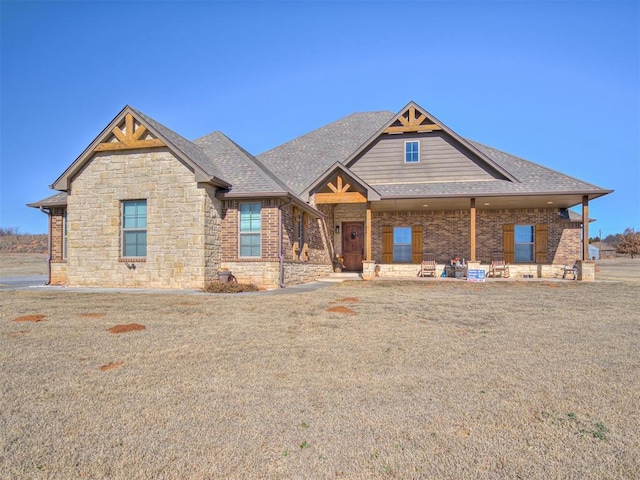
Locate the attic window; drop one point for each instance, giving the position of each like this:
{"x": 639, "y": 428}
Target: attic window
{"x": 411, "y": 152}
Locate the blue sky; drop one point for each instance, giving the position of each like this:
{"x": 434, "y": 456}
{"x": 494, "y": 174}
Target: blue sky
{"x": 557, "y": 83}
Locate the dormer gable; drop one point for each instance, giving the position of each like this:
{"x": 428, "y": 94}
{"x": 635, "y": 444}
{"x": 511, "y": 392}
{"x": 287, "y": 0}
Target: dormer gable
{"x": 412, "y": 124}
{"x": 339, "y": 185}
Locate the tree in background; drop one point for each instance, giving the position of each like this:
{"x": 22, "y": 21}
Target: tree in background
{"x": 629, "y": 242}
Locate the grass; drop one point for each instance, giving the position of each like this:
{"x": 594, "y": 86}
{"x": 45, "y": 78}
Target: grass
{"x": 424, "y": 380}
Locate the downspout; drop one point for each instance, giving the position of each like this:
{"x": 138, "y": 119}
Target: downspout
{"x": 49, "y": 245}
{"x": 280, "y": 243}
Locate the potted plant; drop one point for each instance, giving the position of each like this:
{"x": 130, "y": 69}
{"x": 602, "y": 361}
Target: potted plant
{"x": 223, "y": 275}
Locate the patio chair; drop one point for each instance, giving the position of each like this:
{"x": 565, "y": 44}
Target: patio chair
{"x": 428, "y": 266}
{"x": 498, "y": 266}
{"x": 573, "y": 270}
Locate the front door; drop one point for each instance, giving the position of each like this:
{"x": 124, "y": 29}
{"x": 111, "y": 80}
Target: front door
{"x": 353, "y": 245}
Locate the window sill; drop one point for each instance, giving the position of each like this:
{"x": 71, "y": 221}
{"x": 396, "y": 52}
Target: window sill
{"x": 132, "y": 259}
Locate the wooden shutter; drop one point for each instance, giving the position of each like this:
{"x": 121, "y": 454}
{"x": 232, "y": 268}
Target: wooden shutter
{"x": 387, "y": 244}
{"x": 508, "y": 242}
{"x": 416, "y": 244}
{"x": 541, "y": 243}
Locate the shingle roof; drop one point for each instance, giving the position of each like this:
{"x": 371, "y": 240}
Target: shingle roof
{"x": 299, "y": 162}
{"x": 57, "y": 200}
{"x": 237, "y": 166}
{"x": 536, "y": 176}
{"x": 188, "y": 148}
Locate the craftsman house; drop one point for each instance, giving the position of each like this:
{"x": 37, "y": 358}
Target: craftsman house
{"x": 144, "y": 207}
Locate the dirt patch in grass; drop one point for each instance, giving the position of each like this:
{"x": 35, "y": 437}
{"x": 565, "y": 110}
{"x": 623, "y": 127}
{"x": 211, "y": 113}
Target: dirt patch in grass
{"x": 30, "y": 318}
{"x": 341, "y": 309}
{"x": 110, "y": 366}
{"x": 129, "y": 327}
{"x": 346, "y": 300}
{"x": 93, "y": 315}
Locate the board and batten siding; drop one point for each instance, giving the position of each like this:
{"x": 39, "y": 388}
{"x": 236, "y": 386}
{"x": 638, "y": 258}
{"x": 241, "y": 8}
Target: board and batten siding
{"x": 440, "y": 161}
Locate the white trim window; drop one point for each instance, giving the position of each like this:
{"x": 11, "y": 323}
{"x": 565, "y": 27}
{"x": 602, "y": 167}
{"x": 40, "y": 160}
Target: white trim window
{"x": 249, "y": 231}
{"x": 134, "y": 228}
{"x": 524, "y": 247}
{"x": 411, "y": 151}
{"x": 402, "y": 246}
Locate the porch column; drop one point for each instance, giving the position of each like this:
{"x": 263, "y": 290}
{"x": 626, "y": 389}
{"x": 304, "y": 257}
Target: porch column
{"x": 473, "y": 229}
{"x": 585, "y": 227}
{"x": 368, "y": 235}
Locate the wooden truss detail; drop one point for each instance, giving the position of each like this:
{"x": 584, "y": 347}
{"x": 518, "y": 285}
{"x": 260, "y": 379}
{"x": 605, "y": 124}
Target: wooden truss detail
{"x": 340, "y": 193}
{"x": 410, "y": 123}
{"x": 129, "y": 138}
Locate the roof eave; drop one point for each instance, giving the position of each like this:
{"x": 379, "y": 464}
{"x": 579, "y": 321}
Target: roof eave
{"x": 222, "y": 195}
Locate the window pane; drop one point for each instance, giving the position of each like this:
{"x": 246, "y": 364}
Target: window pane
{"x": 250, "y": 245}
{"x": 135, "y": 244}
{"x": 135, "y": 214}
{"x": 524, "y": 238}
{"x": 134, "y": 224}
{"x": 402, "y": 235}
{"x": 524, "y": 252}
{"x": 250, "y": 217}
{"x": 401, "y": 244}
{"x": 402, "y": 253}
{"x": 411, "y": 152}
{"x": 524, "y": 233}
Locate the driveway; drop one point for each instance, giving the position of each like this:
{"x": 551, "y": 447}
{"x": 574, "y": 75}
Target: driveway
{"x": 22, "y": 282}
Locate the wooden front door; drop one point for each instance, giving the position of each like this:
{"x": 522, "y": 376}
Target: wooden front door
{"x": 353, "y": 245}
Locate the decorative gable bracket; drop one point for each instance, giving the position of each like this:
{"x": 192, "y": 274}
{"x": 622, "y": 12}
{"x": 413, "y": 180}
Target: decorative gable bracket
{"x": 409, "y": 122}
{"x": 340, "y": 193}
{"x": 129, "y": 135}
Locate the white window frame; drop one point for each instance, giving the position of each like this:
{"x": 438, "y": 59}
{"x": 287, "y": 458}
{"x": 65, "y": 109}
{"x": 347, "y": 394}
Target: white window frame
{"x": 532, "y": 243}
{"x": 249, "y": 233}
{"x": 406, "y": 144}
{"x": 124, "y": 230}
{"x": 410, "y": 244}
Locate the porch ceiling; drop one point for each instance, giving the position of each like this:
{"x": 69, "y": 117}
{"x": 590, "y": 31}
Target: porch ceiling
{"x": 482, "y": 203}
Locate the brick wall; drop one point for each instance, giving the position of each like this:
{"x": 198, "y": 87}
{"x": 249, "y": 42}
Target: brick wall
{"x": 265, "y": 270}
{"x": 176, "y": 228}
{"x": 57, "y": 234}
{"x": 447, "y": 233}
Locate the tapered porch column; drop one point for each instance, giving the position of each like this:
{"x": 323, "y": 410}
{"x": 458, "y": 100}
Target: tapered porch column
{"x": 585, "y": 227}
{"x": 368, "y": 235}
{"x": 473, "y": 229}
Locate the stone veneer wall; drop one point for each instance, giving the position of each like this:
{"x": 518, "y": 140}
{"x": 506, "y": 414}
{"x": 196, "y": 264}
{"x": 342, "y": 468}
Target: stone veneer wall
{"x": 178, "y": 237}
{"x": 212, "y": 233}
{"x": 267, "y": 274}
{"x": 447, "y": 233}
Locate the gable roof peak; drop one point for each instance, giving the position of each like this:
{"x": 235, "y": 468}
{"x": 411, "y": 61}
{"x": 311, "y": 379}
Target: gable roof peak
{"x": 132, "y": 129}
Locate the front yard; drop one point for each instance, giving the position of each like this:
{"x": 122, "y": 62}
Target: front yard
{"x": 358, "y": 380}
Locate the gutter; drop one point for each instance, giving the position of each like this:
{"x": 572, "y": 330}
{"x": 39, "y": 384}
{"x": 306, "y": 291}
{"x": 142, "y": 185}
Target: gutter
{"x": 280, "y": 244}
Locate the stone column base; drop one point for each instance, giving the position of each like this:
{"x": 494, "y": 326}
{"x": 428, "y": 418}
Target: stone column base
{"x": 586, "y": 270}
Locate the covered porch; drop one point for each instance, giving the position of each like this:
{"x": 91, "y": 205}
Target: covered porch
{"x": 536, "y": 234}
